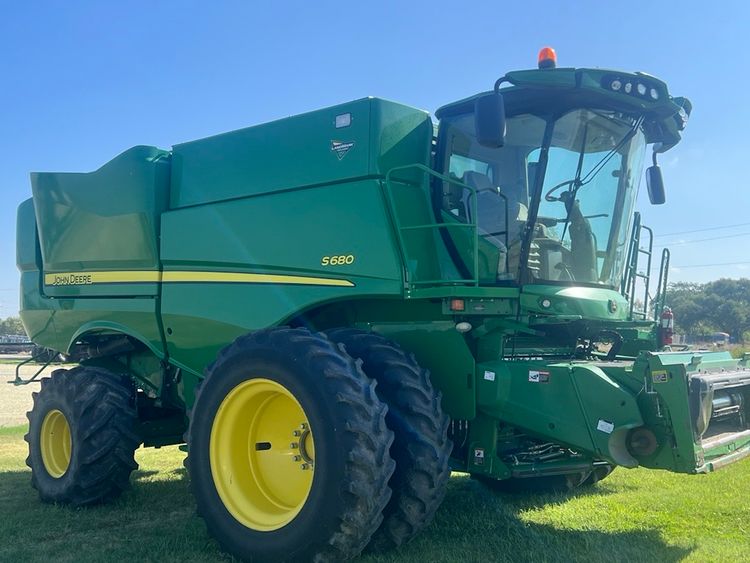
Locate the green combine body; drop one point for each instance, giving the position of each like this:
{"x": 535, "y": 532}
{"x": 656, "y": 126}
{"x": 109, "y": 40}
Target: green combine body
{"x": 505, "y": 268}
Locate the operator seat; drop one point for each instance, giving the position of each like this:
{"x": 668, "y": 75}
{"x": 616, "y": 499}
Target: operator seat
{"x": 491, "y": 216}
{"x": 454, "y": 199}
{"x": 500, "y": 221}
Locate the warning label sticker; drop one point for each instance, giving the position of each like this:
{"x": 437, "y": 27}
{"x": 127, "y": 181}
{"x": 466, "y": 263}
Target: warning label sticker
{"x": 660, "y": 376}
{"x": 538, "y": 376}
{"x": 489, "y": 375}
{"x": 479, "y": 456}
{"x": 605, "y": 426}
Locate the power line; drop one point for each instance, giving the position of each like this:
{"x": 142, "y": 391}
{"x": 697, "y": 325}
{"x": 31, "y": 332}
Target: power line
{"x": 709, "y": 265}
{"x": 680, "y": 243}
{"x": 701, "y": 230}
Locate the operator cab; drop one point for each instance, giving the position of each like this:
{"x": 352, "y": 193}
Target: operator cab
{"x": 552, "y": 199}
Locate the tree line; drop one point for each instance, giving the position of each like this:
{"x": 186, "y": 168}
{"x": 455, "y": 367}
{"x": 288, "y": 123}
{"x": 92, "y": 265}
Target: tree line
{"x": 11, "y": 325}
{"x": 701, "y": 309}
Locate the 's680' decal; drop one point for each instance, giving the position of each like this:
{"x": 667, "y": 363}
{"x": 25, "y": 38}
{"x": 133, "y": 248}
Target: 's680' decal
{"x": 339, "y": 260}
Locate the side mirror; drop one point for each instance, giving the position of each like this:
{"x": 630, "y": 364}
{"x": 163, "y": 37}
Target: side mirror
{"x": 655, "y": 184}
{"x": 489, "y": 120}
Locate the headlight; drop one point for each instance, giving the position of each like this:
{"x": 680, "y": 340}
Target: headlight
{"x": 635, "y": 86}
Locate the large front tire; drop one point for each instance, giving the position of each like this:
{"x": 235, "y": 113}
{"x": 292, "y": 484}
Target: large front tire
{"x": 82, "y": 437}
{"x": 289, "y": 449}
{"x": 421, "y": 447}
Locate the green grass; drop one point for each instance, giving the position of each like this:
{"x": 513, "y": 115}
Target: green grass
{"x": 634, "y": 515}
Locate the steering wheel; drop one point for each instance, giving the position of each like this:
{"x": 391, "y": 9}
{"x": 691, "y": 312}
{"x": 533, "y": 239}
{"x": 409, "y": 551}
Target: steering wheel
{"x": 549, "y": 197}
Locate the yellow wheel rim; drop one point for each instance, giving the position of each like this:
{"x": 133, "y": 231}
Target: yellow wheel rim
{"x": 55, "y": 443}
{"x": 262, "y": 454}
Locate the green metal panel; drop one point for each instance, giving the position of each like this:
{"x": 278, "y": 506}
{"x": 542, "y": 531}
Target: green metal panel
{"x": 258, "y": 159}
{"x": 287, "y": 233}
{"x": 27, "y": 251}
{"x": 56, "y": 323}
{"x": 399, "y": 136}
{"x": 548, "y": 409}
{"x": 572, "y": 403}
{"x": 102, "y": 221}
{"x": 36, "y": 311}
{"x": 281, "y": 242}
{"x": 588, "y": 302}
{"x": 74, "y": 317}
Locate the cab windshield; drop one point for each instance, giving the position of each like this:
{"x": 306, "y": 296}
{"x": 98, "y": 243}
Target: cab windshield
{"x": 582, "y": 197}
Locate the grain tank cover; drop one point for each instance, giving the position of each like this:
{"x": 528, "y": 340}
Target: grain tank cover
{"x": 359, "y": 139}
{"x": 106, "y": 220}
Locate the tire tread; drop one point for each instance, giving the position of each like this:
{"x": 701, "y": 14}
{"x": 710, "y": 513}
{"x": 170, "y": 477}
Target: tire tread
{"x": 421, "y": 446}
{"x": 103, "y": 429}
{"x": 369, "y": 466}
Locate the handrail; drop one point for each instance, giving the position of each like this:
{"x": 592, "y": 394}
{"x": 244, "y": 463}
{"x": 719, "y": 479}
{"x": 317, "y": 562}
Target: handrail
{"x": 661, "y": 288}
{"x": 409, "y": 275}
{"x": 630, "y": 280}
{"x": 647, "y": 276}
{"x": 631, "y": 260}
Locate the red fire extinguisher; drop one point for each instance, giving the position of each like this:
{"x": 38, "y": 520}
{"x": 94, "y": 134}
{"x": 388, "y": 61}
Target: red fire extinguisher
{"x": 666, "y": 327}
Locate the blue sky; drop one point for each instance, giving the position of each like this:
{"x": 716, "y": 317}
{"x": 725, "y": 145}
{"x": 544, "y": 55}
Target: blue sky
{"x": 82, "y": 81}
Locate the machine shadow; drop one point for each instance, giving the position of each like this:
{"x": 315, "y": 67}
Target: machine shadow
{"x": 471, "y": 516}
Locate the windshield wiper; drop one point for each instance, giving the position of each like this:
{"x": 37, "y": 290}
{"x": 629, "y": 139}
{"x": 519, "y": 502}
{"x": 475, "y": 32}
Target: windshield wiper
{"x": 568, "y": 198}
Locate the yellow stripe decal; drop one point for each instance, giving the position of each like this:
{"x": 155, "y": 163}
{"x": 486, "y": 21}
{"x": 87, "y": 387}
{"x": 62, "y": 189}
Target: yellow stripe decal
{"x": 136, "y": 276}
{"x": 91, "y": 278}
{"x": 235, "y": 277}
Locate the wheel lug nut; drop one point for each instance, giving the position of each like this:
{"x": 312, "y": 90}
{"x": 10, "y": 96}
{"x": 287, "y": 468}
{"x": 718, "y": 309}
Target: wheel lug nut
{"x": 294, "y": 445}
{"x": 296, "y": 433}
{"x": 298, "y": 458}
{"x": 303, "y": 426}
{"x": 304, "y": 466}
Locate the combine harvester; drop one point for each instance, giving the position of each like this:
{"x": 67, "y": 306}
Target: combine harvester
{"x": 336, "y": 309}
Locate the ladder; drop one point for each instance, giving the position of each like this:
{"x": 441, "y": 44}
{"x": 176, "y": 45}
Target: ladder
{"x": 632, "y": 275}
{"x": 630, "y": 279}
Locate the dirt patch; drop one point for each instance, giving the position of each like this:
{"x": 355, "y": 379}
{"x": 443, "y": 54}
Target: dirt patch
{"x": 16, "y": 400}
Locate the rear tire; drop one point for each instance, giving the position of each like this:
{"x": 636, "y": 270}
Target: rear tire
{"x": 267, "y": 493}
{"x": 82, "y": 437}
{"x": 421, "y": 447}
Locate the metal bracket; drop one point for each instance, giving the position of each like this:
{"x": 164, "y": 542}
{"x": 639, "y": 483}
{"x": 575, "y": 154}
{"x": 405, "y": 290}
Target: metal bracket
{"x": 19, "y": 381}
